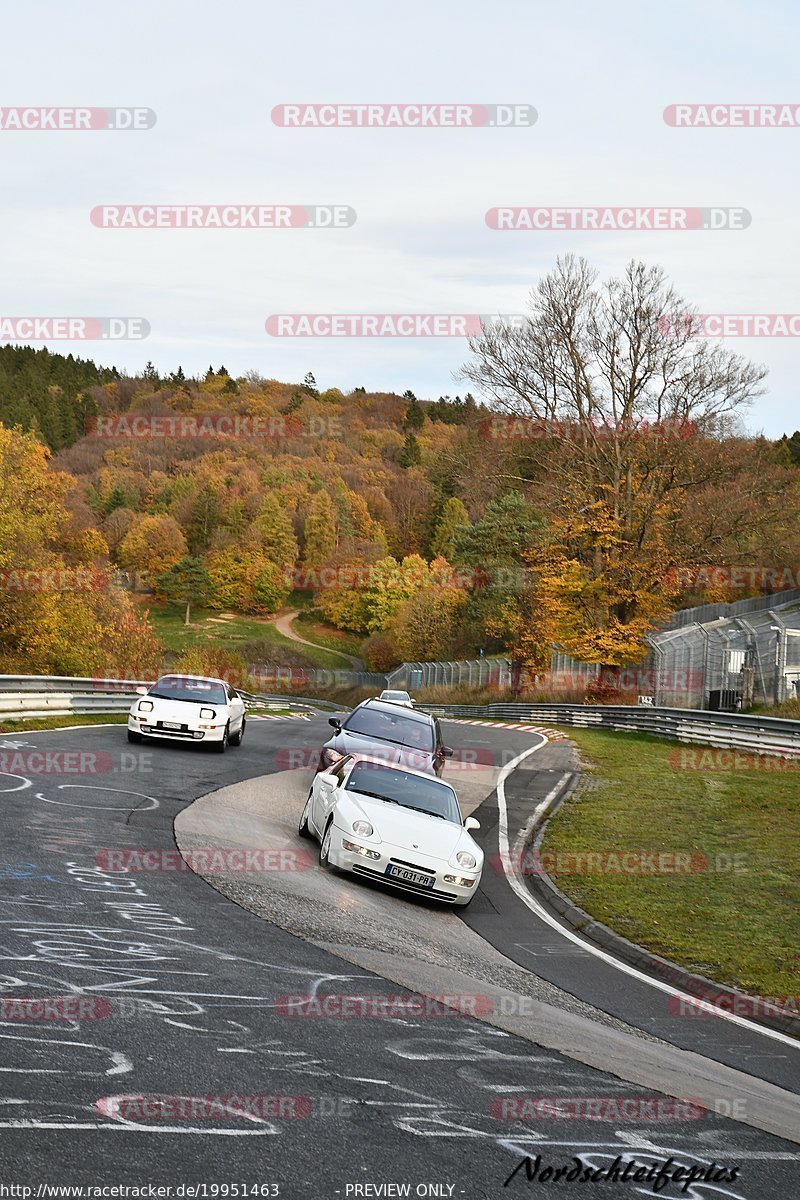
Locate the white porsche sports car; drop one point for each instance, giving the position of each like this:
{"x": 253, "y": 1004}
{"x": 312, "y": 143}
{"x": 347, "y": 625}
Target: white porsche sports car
{"x": 189, "y": 708}
{"x": 393, "y": 825}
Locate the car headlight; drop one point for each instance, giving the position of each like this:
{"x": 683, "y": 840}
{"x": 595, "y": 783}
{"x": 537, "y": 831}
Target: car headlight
{"x": 466, "y": 860}
{"x": 363, "y": 851}
{"x": 208, "y": 713}
{"x": 363, "y": 828}
{"x": 145, "y": 706}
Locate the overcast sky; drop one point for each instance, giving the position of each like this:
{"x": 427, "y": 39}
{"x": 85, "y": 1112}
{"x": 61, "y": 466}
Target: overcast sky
{"x": 599, "y": 76}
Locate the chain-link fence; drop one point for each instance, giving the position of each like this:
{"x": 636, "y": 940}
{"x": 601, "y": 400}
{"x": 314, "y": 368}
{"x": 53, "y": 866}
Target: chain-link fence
{"x": 717, "y": 656}
{"x": 472, "y": 673}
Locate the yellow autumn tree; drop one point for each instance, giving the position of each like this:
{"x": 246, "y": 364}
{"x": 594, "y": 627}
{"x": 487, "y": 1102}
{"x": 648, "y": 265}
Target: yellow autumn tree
{"x": 153, "y": 545}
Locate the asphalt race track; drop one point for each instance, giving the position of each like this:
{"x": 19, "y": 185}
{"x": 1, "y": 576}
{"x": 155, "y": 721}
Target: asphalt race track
{"x": 186, "y": 1063}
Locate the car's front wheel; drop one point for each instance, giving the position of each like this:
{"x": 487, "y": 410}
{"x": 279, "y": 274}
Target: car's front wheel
{"x": 222, "y": 745}
{"x": 325, "y": 847}
{"x": 303, "y": 830}
{"x": 134, "y": 737}
{"x": 236, "y": 738}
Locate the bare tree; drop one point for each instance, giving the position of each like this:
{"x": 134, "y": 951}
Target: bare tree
{"x": 629, "y": 401}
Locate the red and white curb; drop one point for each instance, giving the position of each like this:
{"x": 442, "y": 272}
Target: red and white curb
{"x": 277, "y": 717}
{"x": 553, "y": 735}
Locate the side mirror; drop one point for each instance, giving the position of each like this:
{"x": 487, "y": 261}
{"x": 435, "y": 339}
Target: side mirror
{"x": 328, "y": 779}
{"x": 447, "y": 751}
{"x": 335, "y": 722}
{"x": 472, "y": 823}
{"x": 141, "y": 691}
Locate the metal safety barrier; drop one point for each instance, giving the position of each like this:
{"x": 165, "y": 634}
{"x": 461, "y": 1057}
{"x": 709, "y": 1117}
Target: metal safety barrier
{"x": 29, "y": 696}
{"x": 729, "y": 731}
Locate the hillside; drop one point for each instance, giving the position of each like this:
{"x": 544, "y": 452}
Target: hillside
{"x": 410, "y": 524}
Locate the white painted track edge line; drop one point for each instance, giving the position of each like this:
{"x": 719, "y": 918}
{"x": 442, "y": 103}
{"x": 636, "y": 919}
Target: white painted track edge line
{"x": 522, "y": 893}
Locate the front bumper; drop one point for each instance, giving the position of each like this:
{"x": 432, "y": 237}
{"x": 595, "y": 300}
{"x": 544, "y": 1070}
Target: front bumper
{"x": 190, "y": 733}
{"x": 435, "y": 869}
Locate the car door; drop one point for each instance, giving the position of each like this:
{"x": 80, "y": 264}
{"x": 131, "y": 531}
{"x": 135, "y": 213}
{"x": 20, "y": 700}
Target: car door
{"x": 235, "y": 707}
{"x": 438, "y": 749}
{"x": 325, "y": 791}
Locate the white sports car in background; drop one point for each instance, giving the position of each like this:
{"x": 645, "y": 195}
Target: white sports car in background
{"x": 397, "y": 698}
{"x": 188, "y": 708}
{"x": 393, "y": 825}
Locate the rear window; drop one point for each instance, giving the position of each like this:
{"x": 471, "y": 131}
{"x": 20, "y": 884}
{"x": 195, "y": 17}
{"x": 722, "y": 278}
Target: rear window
{"x": 391, "y": 727}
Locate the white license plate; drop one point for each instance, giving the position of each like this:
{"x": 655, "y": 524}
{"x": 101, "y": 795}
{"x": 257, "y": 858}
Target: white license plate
{"x": 410, "y": 876}
{"x": 171, "y": 724}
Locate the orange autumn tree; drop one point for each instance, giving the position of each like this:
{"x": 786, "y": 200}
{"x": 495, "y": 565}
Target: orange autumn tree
{"x": 58, "y": 615}
{"x": 593, "y": 592}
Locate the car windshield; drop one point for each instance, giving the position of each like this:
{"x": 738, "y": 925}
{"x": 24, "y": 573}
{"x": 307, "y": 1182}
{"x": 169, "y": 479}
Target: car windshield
{"x": 395, "y": 696}
{"x": 402, "y": 787}
{"x": 391, "y": 727}
{"x": 197, "y": 691}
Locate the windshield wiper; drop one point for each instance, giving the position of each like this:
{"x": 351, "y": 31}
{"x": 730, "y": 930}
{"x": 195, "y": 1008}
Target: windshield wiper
{"x": 375, "y": 796}
{"x": 425, "y": 812}
{"x": 382, "y": 738}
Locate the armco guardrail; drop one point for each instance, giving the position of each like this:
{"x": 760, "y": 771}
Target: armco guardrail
{"x": 21, "y": 705}
{"x": 23, "y": 696}
{"x": 728, "y": 731}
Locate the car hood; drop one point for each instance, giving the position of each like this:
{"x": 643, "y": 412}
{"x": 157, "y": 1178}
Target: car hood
{"x": 401, "y": 827}
{"x": 388, "y": 752}
{"x": 183, "y": 711}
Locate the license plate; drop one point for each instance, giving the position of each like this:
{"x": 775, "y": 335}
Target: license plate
{"x": 410, "y": 876}
{"x": 171, "y": 724}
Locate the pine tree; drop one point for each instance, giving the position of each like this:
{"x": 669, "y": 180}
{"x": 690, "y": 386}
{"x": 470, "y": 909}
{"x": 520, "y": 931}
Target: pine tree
{"x": 320, "y": 530}
{"x": 187, "y": 582}
{"x": 205, "y": 517}
{"x": 415, "y": 417}
{"x": 276, "y": 533}
{"x": 294, "y": 402}
{"x": 310, "y": 385}
{"x": 454, "y": 516}
{"x": 410, "y": 455}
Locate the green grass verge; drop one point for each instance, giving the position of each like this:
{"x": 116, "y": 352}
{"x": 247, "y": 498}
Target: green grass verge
{"x": 736, "y": 926}
{"x": 252, "y": 636}
{"x": 32, "y": 723}
{"x": 788, "y": 709}
{"x": 328, "y": 635}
